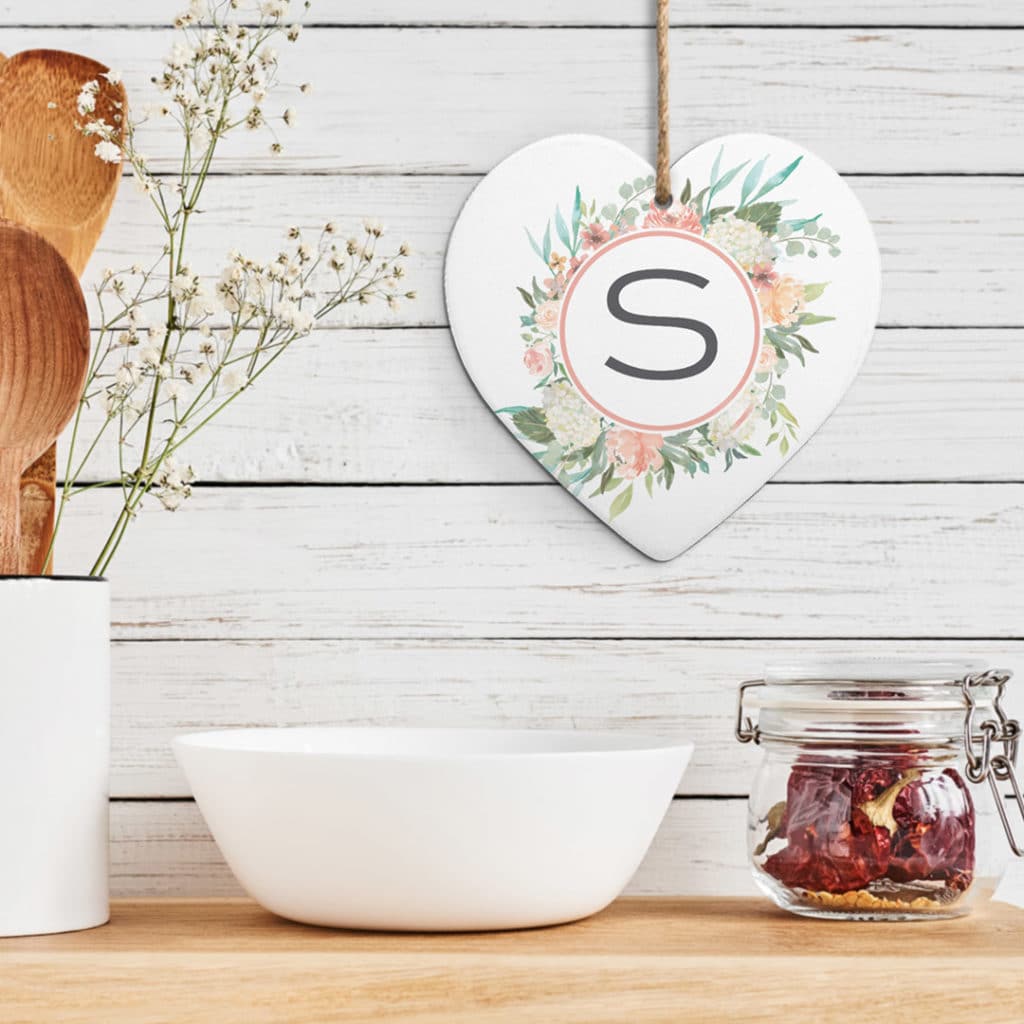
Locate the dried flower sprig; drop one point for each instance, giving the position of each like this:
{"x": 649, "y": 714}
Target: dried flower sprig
{"x": 172, "y": 354}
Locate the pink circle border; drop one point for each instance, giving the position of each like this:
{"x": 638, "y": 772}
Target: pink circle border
{"x": 729, "y": 262}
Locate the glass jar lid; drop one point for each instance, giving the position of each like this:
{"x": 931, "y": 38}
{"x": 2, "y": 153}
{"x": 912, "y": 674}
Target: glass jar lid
{"x": 920, "y": 703}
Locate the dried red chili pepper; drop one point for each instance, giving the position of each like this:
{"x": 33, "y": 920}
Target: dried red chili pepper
{"x": 937, "y": 830}
{"x": 833, "y": 845}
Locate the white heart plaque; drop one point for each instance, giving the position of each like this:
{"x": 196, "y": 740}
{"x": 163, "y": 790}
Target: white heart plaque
{"x": 662, "y": 364}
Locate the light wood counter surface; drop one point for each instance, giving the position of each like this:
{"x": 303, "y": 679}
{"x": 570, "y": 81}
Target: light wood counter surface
{"x": 642, "y": 960}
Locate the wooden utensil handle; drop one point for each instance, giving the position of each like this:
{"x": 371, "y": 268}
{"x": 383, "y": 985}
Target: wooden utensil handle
{"x": 11, "y": 463}
{"x": 38, "y": 504}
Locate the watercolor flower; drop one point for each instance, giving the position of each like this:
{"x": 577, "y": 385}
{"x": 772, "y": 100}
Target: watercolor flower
{"x": 743, "y": 240}
{"x": 633, "y": 452}
{"x": 782, "y": 302}
{"x": 594, "y": 235}
{"x": 557, "y": 262}
{"x": 767, "y": 358}
{"x": 573, "y": 422}
{"x": 733, "y": 427}
{"x": 678, "y": 216}
{"x": 546, "y": 315}
{"x": 763, "y": 275}
{"x": 537, "y": 360}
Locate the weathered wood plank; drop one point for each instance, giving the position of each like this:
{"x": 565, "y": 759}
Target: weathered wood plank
{"x": 797, "y": 561}
{"x": 671, "y": 688}
{"x": 370, "y": 393}
{"x": 165, "y": 849}
{"x": 552, "y": 12}
{"x": 918, "y": 221}
{"x": 459, "y": 100}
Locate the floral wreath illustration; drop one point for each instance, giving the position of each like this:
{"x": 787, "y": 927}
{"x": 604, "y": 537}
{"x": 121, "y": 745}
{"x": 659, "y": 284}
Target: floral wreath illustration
{"x": 573, "y": 440}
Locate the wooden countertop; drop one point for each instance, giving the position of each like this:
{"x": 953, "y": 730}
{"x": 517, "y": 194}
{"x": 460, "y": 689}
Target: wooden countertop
{"x": 642, "y": 960}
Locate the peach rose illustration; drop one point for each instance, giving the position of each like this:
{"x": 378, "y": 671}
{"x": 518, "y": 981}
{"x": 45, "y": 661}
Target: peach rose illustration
{"x": 546, "y": 315}
{"x": 767, "y": 359}
{"x": 634, "y": 453}
{"x": 782, "y": 302}
{"x": 676, "y": 216}
{"x": 537, "y": 360}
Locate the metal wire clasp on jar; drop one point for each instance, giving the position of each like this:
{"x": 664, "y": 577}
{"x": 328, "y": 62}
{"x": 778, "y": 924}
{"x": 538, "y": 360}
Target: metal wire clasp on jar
{"x": 861, "y": 808}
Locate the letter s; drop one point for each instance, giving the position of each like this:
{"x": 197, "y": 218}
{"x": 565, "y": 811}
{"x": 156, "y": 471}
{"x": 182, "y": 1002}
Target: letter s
{"x": 684, "y": 323}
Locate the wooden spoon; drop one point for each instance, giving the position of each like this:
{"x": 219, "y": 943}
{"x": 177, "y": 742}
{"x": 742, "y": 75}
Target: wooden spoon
{"x": 44, "y": 358}
{"x": 52, "y": 181}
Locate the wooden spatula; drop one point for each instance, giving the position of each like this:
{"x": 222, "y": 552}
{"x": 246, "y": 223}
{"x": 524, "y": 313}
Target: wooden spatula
{"x": 44, "y": 358}
{"x": 52, "y": 181}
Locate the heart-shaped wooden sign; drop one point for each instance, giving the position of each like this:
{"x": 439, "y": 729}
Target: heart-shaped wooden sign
{"x": 662, "y": 363}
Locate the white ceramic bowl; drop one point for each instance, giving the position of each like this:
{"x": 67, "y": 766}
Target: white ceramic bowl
{"x": 432, "y": 829}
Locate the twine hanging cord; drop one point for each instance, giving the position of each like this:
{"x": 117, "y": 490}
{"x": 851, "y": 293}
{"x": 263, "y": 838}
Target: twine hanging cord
{"x": 663, "y": 189}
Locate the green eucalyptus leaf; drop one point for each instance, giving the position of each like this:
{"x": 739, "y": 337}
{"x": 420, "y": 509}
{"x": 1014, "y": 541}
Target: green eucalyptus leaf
{"x": 621, "y": 502}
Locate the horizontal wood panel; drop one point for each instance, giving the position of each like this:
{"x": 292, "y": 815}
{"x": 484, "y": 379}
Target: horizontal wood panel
{"x": 797, "y": 561}
{"x": 457, "y": 100}
{"x": 681, "y": 689}
{"x": 165, "y": 849}
{"x": 394, "y": 406}
{"x": 920, "y": 223}
{"x": 551, "y": 12}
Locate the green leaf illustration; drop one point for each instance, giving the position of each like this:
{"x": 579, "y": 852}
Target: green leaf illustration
{"x": 684, "y": 196}
{"x": 751, "y": 180}
{"x": 562, "y": 228}
{"x": 814, "y": 291}
{"x": 621, "y": 502}
{"x": 532, "y": 424}
{"x": 577, "y": 214}
{"x": 626, "y": 190}
{"x": 547, "y": 244}
{"x": 777, "y": 179}
{"x": 765, "y": 215}
{"x": 527, "y": 297}
{"x": 813, "y": 318}
{"x": 533, "y": 242}
{"x": 725, "y": 180}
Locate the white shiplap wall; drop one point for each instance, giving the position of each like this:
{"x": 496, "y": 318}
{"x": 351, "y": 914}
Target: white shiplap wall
{"x": 388, "y": 582}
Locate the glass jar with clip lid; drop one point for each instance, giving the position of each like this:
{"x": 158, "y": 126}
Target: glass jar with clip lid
{"x": 869, "y": 803}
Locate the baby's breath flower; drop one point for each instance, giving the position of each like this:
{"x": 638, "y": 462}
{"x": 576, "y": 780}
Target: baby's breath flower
{"x": 233, "y": 379}
{"x": 151, "y": 356}
{"x": 289, "y": 116}
{"x": 108, "y": 152}
{"x": 86, "y": 102}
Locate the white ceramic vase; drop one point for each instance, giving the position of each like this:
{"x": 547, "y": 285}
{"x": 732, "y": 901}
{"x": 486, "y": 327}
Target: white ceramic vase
{"x": 54, "y": 753}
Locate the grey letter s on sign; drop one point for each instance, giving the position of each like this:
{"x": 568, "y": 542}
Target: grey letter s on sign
{"x": 684, "y": 323}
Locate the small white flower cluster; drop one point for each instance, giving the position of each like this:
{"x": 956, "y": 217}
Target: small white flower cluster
{"x": 108, "y": 148}
{"x": 574, "y": 423}
{"x": 742, "y": 240}
{"x": 733, "y": 427}
{"x": 172, "y": 483}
